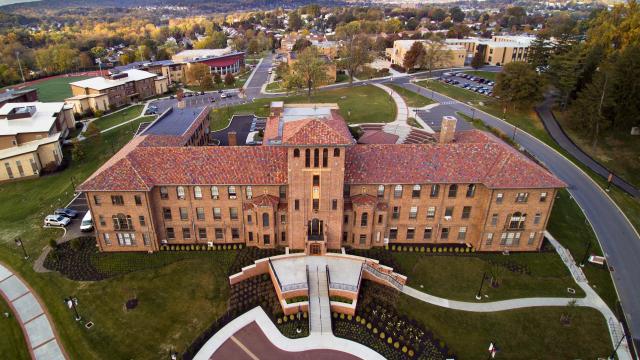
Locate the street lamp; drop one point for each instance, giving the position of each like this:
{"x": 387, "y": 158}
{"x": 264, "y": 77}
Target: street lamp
{"x": 72, "y": 303}
{"x": 173, "y": 355}
{"x": 21, "y": 244}
{"x": 586, "y": 254}
{"x": 479, "y": 294}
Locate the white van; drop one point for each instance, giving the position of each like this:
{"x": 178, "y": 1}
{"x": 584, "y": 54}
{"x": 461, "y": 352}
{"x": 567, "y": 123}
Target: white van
{"x": 87, "y": 222}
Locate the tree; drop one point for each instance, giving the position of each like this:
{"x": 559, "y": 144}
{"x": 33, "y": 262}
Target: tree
{"x": 229, "y": 79}
{"x": 539, "y": 52}
{"x": 309, "y": 69}
{"x": 217, "y": 79}
{"x": 206, "y": 83}
{"x": 354, "y": 54}
{"x": 625, "y": 70}
{"x": 282, "y": 70}
{"x": 457, "y": 15}
{"x": 435, "y": 55}
{"x": 413, "y": 57}
{"x": 196, "y": 73}
{"x": 477, "y": 61}
{"x": 295, "y": 22}
{"x": 518, "y": 84}
{"x": 77, "y": 149}
{"x": 163, "y": 54}
{"x": 301, "y": 44}
{"x": 564, "y": 71}
{"x": 392, "y": 26}
{"x": 587, "y": 112}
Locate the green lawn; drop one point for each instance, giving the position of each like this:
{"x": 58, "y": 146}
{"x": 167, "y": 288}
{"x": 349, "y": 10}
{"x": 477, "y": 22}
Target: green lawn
{"x": 360, "y": 104}
{"x": 274, "y": 86}
{"x": 534, "y": 333}
{"x": 460, "y": 281}
{"x": 490, "y": 75}
{"x": 412, "y": 99}
{"x": 12, "y": 345}
{"x": 56, "y": 89}
{"x": 121, "y": 116}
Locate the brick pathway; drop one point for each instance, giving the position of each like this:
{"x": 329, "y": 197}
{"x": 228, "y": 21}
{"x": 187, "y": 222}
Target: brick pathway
{"x": 40, "y": 335}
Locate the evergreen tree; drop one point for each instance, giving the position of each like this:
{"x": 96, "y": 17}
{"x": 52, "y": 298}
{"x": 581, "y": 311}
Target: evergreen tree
{"x": 518, "y": 84}
{"x": 539, "y": 52}
{"x": 477, "y": 61}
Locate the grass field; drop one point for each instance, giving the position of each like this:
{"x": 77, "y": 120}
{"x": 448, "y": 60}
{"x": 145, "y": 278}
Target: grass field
{"x": 461, "y": 280}
{"x": 12, "y": 341}
{"x": 358, "y": 104}
{"x": 490, "y": 75}
{"x": 534, "y": 333}
{"x": 412, "y": 99}
{"x": 121, "y": 116}
{"x": 56, "y": 89}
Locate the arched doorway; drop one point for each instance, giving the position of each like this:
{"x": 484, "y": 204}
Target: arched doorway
{"x": 315, "y": 229}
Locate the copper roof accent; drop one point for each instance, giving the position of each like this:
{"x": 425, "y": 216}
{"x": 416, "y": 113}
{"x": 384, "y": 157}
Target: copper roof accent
{"x": 265, "y": 200}
{"x": 364, "y": 200}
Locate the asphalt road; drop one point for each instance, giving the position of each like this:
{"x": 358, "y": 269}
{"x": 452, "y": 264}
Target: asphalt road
{"x": 618, "y": 238}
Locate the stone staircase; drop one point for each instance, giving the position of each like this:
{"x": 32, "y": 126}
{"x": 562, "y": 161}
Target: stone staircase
{"x": 399, "y": 129}
{"x": 319, "y": 307}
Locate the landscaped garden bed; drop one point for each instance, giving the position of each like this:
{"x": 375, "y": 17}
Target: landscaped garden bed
{"x": 379, "y": 326}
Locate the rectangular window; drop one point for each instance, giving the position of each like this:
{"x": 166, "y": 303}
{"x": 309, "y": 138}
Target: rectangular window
{"x": 219, "y": 234}
{"x": 307, "y": 158}
{"x": 346, "y": 219}
{"x": 453, "y": 190}
{"x": 34, "y": 167}
{"x": 325, "y": 157}
{"x": 397, "y": 191}
{"x": 489, "y": 240}
{"x": 393, "y": 234}
{"x": 466, "y": 212}
{"x": 142, "y": 220}
{"x": 345, "y": 236}
{"x": 249, "y": 192}
{"x": 346, "y": 191}
{"x": 396, "y": 212}
{"x": 283, "y": 219}
{"x": 235, "y": 233}
{"x": 107, "y": 239}
{"x": 184, "y": 214}
{"x": 102, "y": 221}
{"x": 296, "y": 204}
{"x": 316, "y": 204}
{"x": 283, "y": 236}
{"x": 499, "y": 198}
{"x": 448, "y": 211}
{"x": 543, "y": 196}
{"x": 415, "y": 192}
{"x": 364, "y": 219}
{"x": 180, "y": 193}
{"x": 117, "y": 200}
{"x": 532, "y": 237}
{"x": 217, "y": 214}
{"x": 186, "y": 233}
{"x": 522, "y": 197}
{"x": 316, "y": 157}
{"x": 431, "y": 212}
{"x": 316, "y": 180}
{"x": 380, "y": 218}
{"x": 249, "y": 219}
{"x": 171, "y": 233}
{"x": 200, "y": 213}
{"x": 137, "y": 199}
{"x": 164, "y": 194}
{"x": 413, "y": 212}
{"x": 471, "y": 190}
{"x": 462, "y": 233}
{"x": 428, "y": 232}
{"x": 233, "y": 213}
{"x": 334, "y": 204}
{"x": 266, "y": 239}
{"x": 411, "y": 233}
{"x": 145, "y": 239}
{"x": 250, "y": 236}
{"x": 96, "y": 200}
{"x": 166, "y": 213}
{"x": 536, "y": 218}
{"x": 494, "y": 219}
{"x": 283, "y": 192}
{"x": 215, "y": 194}
{"x": 232, "y": 192}
{"x": 202, "y": 233}
{"x": 444, "y": 234}
{"x": 435, "y": 190}
{"x": 381, "y": 191}
{"x": 197, "y": 192}
{"x": 363, "y": 239}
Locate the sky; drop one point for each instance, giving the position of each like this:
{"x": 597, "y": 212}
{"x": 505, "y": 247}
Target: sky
{"x": 7, "y": 2}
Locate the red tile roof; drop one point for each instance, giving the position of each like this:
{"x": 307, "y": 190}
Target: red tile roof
{"x": 377, "y": 137}
{"x": 141, "y": 168}
{"x": 475, "y": 157}
{"x": 364, "y": 200}
{"x": 332, "y": 131}
{"x": 265, "y": 200}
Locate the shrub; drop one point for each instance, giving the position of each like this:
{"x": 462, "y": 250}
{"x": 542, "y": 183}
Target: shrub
{"x": 410, "y": 248}
{"x": 349, "y": 317}
{"x": 285, "y": 319}
{"x": 389, "y": 340}
{"x": 341, "y": 316}
{"x": 428, "y": 250}
{"x": 358, "y": 318}
{"x": 279, "y": 321}
{"x": 396, "y": 345}
{"x": 439, "y": 249}
{"x": 363, "y": 321}
{"x": 53, "y": 244}
{"x": 375, "y": 330}
{"x": 404, "y": 349}
{"x": 393, "y": 248}
{"x": 456, "y": 249}
{"x": 410, "y": 353}
{"x": 335, "y": 315}
{"x": 382, "y": 335}
{"x": 369, "y": 326}
{"x": 75, "y": 244}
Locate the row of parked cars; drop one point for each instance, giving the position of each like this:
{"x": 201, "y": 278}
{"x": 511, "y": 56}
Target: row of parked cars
{"x": 63, "y": 216}
{"x": 470, "y": 82}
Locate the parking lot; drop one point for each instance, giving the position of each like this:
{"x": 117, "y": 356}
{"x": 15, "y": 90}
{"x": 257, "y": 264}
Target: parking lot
{"x": 469, "y": 82}
{"x": 80, "y": 205}
{"x": 194, "y": 99}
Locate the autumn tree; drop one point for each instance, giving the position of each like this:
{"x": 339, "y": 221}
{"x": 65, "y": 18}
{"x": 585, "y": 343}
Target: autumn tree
{"x": 295, "y": 22}
{"x": 355, "y": 52}
{"x": 413, "y": 57}
{"x": 229, "y": 79}
{"x": 309, "y": 69}
{"x": 518, "y": 84}
{"x": 217, "y": 79}
{"x": 477, "y": 60}
{"x": 196, "y": 73}
{"x": 435, "y": 55}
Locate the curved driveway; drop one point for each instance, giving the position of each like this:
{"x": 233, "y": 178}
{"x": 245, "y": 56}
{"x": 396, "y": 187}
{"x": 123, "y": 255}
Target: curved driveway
{"x": 618, "y": 238}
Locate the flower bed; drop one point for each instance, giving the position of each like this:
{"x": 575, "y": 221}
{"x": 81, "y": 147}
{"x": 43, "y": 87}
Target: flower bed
{"x": 297, "y": 299}
{"x": 74, "y": 262}
{"x": 249, "y": 255}
{"x": 379, "y": 326}
{"x": 341, "y": 299}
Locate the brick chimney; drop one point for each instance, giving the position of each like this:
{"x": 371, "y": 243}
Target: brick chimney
{"x": 232, "y": 138}
{"x": 447, "y": 129}
{"x": 277, "y": 107}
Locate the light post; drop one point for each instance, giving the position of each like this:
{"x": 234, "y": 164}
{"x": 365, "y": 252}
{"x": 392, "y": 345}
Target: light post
{"x": 473, "y": 113}
{"x": 72, "y": 303}
{"x": 298, "y": 315}
{"x": 586, "y": 254}
{"x": 173, "y": 355}
{"x": 21, "y": 244}
{"x": 479, "y": 294}
{"x": 613, "y": 353}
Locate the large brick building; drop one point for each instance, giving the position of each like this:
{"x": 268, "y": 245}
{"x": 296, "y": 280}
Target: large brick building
{"x": 310, "y": 186}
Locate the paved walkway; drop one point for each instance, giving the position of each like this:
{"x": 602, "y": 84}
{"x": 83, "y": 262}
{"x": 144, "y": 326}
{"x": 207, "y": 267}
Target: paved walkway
{"x": 315, "y": 341}
{"x": 319, "y": 308}
{"x": 591, "y": 300}
{"x": 554, "y": 129}
{"x": 40, "y": 334}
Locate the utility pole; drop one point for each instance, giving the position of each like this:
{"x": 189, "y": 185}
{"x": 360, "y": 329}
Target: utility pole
{"x": 20, "y": 65}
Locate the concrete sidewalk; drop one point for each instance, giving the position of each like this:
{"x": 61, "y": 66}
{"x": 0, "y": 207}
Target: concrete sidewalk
{"x": 40, "y": 335}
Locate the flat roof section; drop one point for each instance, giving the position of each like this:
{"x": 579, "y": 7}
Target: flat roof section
{"x": 174, "y": 121}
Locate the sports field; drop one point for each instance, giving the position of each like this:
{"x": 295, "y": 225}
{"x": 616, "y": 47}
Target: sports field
{"x": 54, "y": 89}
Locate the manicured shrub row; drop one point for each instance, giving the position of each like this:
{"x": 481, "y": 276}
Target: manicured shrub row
{"x": 378, "y": 325}
{"x": 289, "y": 325}
{"x": 201, "y": 247}
{"x": 73, "y": 260}
{"x": 341, "y": 299}
{"x": 296, "y": 299}
{"x": 432, "y": 249}
{"x": 249, "y": 255}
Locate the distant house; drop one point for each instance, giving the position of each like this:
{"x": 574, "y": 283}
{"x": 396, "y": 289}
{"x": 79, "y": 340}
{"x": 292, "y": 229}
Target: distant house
{"x": 119, "y": 89}
{"x": 30, "y": 136}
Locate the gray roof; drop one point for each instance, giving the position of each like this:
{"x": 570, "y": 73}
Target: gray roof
{"x": 174, "y": 121}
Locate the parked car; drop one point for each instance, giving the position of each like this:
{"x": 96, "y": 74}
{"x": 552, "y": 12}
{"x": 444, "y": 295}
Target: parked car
{"x": 201, "y": 92}
{"x": 223, "y": 96}
{"x": 56, "y": 220}
{"x": 87, "y": 222}
{"x": 70, "y": 213}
